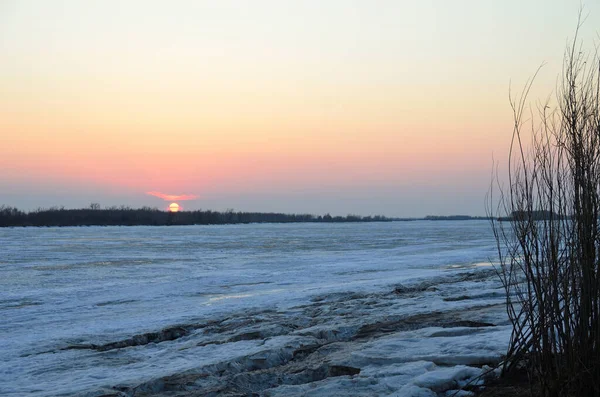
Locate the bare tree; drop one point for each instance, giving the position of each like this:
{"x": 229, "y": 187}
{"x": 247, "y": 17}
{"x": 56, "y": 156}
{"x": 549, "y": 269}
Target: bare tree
{"x": 549, "y": 247}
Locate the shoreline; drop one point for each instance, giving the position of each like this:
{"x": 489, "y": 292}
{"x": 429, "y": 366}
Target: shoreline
{"x": 314, "y": 350}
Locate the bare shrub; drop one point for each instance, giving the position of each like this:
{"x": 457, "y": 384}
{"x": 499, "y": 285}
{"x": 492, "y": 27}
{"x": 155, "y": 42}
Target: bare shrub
{"x": 549, "y": 242}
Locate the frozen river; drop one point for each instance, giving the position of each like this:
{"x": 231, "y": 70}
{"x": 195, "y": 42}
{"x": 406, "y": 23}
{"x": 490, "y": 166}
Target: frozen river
{"x": 220, "y": 310}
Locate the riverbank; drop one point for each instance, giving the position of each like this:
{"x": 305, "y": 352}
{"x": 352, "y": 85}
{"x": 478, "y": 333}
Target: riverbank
{"x": 515, "y": 385}
{"x": 429, "y": 338}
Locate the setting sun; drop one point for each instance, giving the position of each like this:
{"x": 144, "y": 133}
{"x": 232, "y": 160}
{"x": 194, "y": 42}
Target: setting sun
{"x": 174, "y": 207}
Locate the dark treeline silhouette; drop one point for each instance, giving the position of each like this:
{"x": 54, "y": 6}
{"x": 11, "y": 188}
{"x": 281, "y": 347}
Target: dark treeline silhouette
{"x": 539, "y": 215}
{"x": 126, "y": 216}
{"x": 454, "y": 218}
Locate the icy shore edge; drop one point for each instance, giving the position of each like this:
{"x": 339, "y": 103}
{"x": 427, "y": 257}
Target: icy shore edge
{"x": 430, "y": 338}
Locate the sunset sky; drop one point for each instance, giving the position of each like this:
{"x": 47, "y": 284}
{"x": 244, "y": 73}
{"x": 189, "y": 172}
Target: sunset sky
{"x": 340, "y": 106}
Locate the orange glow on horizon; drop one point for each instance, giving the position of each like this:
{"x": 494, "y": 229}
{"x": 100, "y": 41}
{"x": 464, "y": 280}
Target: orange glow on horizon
{"x": 171, "y": 197}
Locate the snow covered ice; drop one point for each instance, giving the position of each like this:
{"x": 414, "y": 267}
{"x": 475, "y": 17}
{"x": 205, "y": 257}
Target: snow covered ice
{"x": 360, "y": 309}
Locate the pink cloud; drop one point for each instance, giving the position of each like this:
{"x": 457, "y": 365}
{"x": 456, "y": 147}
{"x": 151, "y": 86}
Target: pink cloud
{"x": 173, "y": 197}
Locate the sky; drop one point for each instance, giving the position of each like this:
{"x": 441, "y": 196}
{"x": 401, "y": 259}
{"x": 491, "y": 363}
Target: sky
{"x": 365, "y": 107}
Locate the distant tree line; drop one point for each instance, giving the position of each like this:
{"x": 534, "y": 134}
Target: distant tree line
{"x": 454, "y": 218}
{"x": 536, "y": 215}
{"x": 126, "y": 216}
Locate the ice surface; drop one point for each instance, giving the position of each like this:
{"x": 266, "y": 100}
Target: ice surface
{"x": 401, "y": 308}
